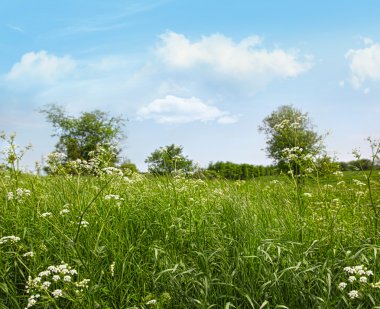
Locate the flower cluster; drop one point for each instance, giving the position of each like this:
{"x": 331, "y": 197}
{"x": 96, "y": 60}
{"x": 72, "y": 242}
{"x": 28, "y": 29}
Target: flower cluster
{"x": 55, "y": 161}
{"x": 84, "y": 223}
{"x": 297, "y": 123}
{"x": 64, "y": 211}
{"x": 112, "y": 269}
{"x": 46, "y": 214}
{"x": 113, "y": 197}
{"x": 338, "y": 174}
{"x": 82, "y": 166}
{"x": 112, "y": 171}
{"x": 358, "y": 183}
{"x": 358, "y": 279}
{"x": 28, "y": 254}
{"x": 19, "y": 195}
{"x": 56, "y": 282}
{"x": 9, "y": 239}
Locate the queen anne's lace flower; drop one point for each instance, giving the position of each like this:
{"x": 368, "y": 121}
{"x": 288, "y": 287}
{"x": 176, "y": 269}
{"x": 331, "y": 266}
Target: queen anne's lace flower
{"x": 57, "y": 293}
{"x": 342, "y": 285}
{"x": 49, "y": 282}
{"x": 9, "y": 239}
{"x": 353, "y": 294}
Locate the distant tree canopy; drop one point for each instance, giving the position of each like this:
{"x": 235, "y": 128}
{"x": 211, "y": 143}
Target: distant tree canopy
{"x": 128, "y": 165}
{"x": 359, "y": 165}
{"x": 229, "y": 170}
{"x": 80, "y": 136}
{"x": 169, "y": 159}
{"x": 290, "y": 137}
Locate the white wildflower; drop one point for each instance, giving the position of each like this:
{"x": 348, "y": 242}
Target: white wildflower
{"x": 358, "y": 183}
{"x": 46, "y": 284}
{"x": 31, "y": 302}
{"x": 67, "y": 279}
{"x": 113, "y": 197}
{"x": 353, "y": 294}
{"x": 369, "y": 273}
{"x": 349, "y": 270}
{"x": 11, "y": 239}
{"x": 152, "y": 302}
{"x": 359, "y": 193}
{"x": 338, "y": 174}
{"x": 351, "y": 278}
{"x": 112, "y": 269}
{"x": 46, "y": 214}
{"x": 28, "y": 254}
{"x": 376, "y": 285}
{"x": 57, "y": 293}
{"x": 83, "y": 283}
{"x": 363, "y": 279}
{"x": 56, "y": 277}
{"x": 53, "y": 269}
{"x": 64, "y": 211}
{"x": 44, "y": 273}
{"x": 10, "y": 196}
{"x": 342, "y": 286}
{"x": 84, "y": 223}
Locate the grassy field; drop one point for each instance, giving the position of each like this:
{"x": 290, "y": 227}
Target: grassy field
{"x": 144, "y": 242}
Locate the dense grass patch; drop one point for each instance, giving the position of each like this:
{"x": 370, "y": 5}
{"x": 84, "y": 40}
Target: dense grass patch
{"x": 187, "y": 243}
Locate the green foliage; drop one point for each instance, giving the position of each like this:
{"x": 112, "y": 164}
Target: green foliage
{"x": 176, "y": 242}
{"x": 128, "y": 165}
{"x": 233, "y": 171}
{"x": 169, "y": 159}
{"x": 326, "y": 165}
{"x": 359, "y": 164}
{"x": 80, "y": 136}
{"x": 11, "y": 154}
{"x": 290, "y": 137}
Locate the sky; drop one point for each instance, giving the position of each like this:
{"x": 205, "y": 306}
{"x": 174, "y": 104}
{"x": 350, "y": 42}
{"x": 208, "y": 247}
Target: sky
{"x": 201, "y": 74}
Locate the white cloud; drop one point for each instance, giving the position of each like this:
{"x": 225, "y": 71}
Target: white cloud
{"x": 172, "y": 109}
{"x": 364, "y": 65}
{"x": 220, "y": 54}
{"x": 367, "y": 41}
{"x": 41, "y": 67}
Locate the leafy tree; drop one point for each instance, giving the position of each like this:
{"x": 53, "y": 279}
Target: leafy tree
{"x": 169, "y": 159}
{"x": 291, "y": 139}
{"x": 80, "y": 137}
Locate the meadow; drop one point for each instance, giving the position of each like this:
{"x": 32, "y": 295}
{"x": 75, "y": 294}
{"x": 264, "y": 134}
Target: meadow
{"x": 139, "y": 241}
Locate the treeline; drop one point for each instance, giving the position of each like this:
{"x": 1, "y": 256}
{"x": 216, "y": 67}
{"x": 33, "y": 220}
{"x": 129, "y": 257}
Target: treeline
{"x": 229, "y": 170}
{"x": 356, "y": 165}
{"x": 244, "y": 171}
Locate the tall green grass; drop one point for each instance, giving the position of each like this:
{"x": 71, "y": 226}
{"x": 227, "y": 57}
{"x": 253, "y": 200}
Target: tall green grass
{"x": 188, "y": 243}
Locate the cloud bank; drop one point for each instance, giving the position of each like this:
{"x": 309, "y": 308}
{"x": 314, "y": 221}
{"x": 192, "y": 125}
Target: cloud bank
{"x": 178, "y": 73}
{"x": 221, "y": 55}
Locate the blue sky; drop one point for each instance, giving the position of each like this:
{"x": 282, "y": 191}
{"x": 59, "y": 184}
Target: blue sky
{"x": 202, "y": 74}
